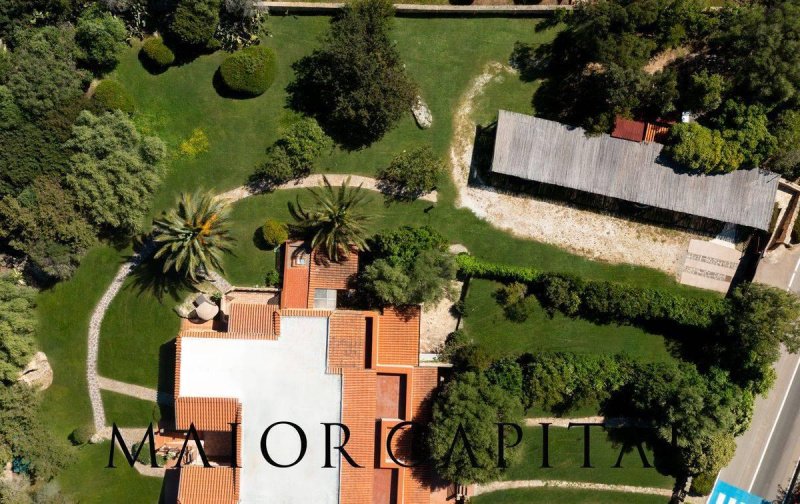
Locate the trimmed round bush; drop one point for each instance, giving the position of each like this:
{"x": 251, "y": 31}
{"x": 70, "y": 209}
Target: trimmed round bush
{"x": 81, "y": 435}
{"x": 250, "y": 71}
{"x": 112, "y": 95}
{"x": 274, "y": 232}
{"x": 157, "y": 53}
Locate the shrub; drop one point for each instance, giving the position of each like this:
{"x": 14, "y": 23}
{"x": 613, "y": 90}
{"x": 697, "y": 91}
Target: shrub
{"x": 81, "y": 435}
{"x": 521, "y": 310}
{"x": 511, "y": 294}
{"x": 507, "y": 374}
{"x": 195, "y": 144}
{"x": 411, "y": 174}
{"x": 111, "y": 94}
{"x": 274, "y": 232}
{"x": 702, "y": 484}
{"x": 194, "y": 23}
{"x": 249, "y": 71}
{"x": 455, "y": 340}
{"x": 292, "y": 156}
{"x": 604, "y": 301}
{"x": 157, "y": 53}
{"x": 272, "y": 278}
{"x": 561, "y": 293}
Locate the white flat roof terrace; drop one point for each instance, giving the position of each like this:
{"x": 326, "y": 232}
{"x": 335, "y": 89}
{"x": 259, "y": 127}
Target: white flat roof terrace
{"x": 276, "y": 381}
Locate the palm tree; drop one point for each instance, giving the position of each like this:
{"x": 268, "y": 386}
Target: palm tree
{"x": 193, "y": 236}
{"x": 335, "y": 224}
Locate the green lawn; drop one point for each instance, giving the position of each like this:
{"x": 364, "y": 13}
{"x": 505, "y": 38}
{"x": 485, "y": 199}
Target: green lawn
{"x": 566, "y": 459}
{"x": 488, "y": 325}
{"x": 87, "y": 481}
{"x": 128, "y": 411}
{"x": 565, "y": 495}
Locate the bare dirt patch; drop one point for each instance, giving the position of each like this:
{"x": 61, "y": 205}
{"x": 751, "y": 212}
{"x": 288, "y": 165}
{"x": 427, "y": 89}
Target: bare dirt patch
{"x": 588, "y": 233}
{"x": 664, "y": 58}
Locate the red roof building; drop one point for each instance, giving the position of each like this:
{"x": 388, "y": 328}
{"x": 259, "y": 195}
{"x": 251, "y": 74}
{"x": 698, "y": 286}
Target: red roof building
{"x": 640, "y": 131}
{"x": 374, "y": 354}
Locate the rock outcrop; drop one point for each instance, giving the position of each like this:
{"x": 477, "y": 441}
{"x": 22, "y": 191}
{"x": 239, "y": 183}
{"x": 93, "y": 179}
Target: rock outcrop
{"x": 37, "y": 373}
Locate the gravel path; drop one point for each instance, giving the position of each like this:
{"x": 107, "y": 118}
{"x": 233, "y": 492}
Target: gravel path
{"x": 98, "y": 413}
{"x": 315, "y": 181}
{"x": 510, "y": 485}
{"x": 129, "y": 389}
{"x": 587, "y": 233}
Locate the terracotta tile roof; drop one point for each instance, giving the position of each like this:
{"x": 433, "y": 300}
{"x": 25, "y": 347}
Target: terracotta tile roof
{"x": 656, "y": 133}
{"x": 326, "y": 274}
{"x": 204, "y": 485}
{"x": 419, "y": 482}
{"x": 207, "y": 413}
{"x": 252, "y": 320}
{"x": 177, "y": 388}
{"x": 290, "y": 312}
{"x": 347, "y": 341}
{"x": 398, "y": 337}
{"x": 628, "y": 129}
{"x": 294, "y": 292}
{"x": 358, "y": 413}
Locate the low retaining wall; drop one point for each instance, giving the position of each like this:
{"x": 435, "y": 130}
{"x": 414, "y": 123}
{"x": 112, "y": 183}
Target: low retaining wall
{"x": 420, "y": 10}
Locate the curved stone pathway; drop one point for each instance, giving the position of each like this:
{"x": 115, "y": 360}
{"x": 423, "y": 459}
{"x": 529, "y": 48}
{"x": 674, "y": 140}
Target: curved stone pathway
{"x": 96, "y": 382}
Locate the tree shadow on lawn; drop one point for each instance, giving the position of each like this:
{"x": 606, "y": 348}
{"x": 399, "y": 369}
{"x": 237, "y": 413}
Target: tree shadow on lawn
{"x": 149, "y": 277}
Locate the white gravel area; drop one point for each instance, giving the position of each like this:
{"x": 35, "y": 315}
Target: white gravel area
{"x": 588, "y": 233}
{"x": 437, "y": 322}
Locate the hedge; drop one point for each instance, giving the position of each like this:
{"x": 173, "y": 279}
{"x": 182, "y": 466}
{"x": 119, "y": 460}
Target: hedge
{"x": 157, "y": 53}
{"x": 250, "y": 71}
{"x": 112, "y": 95}
{"x": 600, "y": 300}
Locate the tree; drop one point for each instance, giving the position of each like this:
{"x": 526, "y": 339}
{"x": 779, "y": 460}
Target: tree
{"x": 787, "y": 152}
{"x": 100, "y": 38}
{"x": 746, "y": 125}
{"x": 759, "y": 319}
{"x": 356, "y": 84}
{"x": 113, "y": 171}
{"x": 759, "y": 45}
{"x": 706, "y": 91}
{"x": 702, "y": 149}
{"x": 336, "y": 222}
{"x": 710, "y": 453}
{"x": 44, "y": 73}
{"x": 44, "y": 224}
{"x": 408, "y": 266}
{"x": 411, "y": 174}
{"x": 193, "y": 237}
{"x": 470, "y": 401}
{"x": 194, "y": 23}
{"x": 17, "y": 326}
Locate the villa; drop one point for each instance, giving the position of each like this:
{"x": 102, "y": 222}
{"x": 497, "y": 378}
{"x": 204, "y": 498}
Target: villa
{"x": 294, "y": 356}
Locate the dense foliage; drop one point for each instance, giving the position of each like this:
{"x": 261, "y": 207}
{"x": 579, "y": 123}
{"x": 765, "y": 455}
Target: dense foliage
{"x": 100, "y": 38}
{"x": 17, "y": 326}
{"x": 475, "y": 404}
{"x": 334, "y": 225}
{"x": 411, "y": 174}
{"x": 44, "y": 74}
{"x": 194, "y": 23}
{"x": 249, "y": 71}
{"x": 113, "y": 171}
{"x": 356, "y": 85}
{"x": 292, "y": 156}
{"x": 408, "y": 266}
{"x": 192, "y": 238}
